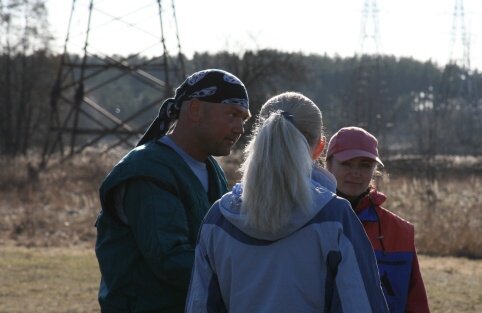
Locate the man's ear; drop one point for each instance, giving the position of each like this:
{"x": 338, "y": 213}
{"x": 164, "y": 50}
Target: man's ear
{"x": 195, "y": 109}
{"x": 319, "y": 148}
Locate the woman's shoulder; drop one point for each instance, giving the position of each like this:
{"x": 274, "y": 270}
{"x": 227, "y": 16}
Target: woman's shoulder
{"x": 387, "y": 216}
{"x": 337, "y": 208}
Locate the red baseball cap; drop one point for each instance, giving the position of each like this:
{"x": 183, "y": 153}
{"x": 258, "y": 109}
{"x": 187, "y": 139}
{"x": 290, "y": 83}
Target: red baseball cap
{"x": 352, "y": 142}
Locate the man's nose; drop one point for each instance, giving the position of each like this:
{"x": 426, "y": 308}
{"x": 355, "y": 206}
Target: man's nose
{"x": 239, "y": 127}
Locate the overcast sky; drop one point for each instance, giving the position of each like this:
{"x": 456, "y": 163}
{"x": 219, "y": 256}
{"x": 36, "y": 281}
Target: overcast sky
{"x": 422, "y": 29}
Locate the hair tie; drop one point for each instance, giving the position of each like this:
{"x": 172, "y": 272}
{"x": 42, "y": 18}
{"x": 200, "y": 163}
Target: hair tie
{"x": 288, "y": 116}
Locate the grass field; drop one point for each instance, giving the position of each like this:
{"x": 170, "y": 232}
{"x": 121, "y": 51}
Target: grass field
{"x": 48, "y": 280}
{"x": 65, "y": 280}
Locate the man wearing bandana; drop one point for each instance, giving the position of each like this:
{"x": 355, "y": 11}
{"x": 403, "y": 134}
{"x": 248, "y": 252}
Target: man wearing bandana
{"x": 154, "y": 200}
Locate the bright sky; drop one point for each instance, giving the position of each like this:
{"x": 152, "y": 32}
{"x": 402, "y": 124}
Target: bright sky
{"x": 422, "y": 29}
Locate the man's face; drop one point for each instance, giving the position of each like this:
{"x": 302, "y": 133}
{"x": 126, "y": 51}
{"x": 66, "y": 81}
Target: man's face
{"x": 221, "y": 126}
{"x": 353, "y": 176}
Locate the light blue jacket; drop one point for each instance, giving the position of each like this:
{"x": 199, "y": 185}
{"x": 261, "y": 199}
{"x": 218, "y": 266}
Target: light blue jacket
{"x": 319, "y": 263}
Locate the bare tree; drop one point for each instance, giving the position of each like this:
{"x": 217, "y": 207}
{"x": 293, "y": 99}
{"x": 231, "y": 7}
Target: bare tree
{"x": 25, "y": 74}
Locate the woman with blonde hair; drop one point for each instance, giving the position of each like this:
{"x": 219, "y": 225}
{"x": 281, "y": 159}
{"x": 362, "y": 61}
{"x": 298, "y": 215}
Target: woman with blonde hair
{"x": 282, "y": 241}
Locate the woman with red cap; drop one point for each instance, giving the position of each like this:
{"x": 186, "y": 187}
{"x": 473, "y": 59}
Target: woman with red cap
{"x": 352, "y": 157}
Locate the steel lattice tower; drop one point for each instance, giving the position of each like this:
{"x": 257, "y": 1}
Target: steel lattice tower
{"x": 119, "y": 63}
{"x": 458, "y": 101}
{"x": 367, "y": 96}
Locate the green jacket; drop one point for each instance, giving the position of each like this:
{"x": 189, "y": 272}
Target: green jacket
{"x": 146, "y": 265}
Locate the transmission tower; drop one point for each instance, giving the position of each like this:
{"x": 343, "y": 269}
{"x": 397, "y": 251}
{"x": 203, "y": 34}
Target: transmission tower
{"x": 120, "y": 61}
{"x": 367, "y": 96}
{"x": 369, "y": 29}
{"x": 458, "y": 102}
{"x": 459, "y": 32}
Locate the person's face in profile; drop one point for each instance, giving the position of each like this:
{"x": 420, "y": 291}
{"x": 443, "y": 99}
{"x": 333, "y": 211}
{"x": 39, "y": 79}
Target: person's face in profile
{"x": 221, "y": 126}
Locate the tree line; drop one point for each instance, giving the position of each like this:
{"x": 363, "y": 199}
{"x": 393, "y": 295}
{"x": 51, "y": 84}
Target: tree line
{"x": 413, "y": 106}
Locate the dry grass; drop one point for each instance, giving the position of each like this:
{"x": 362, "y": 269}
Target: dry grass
{"x": 453, "y": 284}
{"x": 58, "y": 207}
{"x": 66, "y": 280}
{"x": 447, "y": 214}
{"x": 53, "y": 280}
{"x": 54, "y": 207}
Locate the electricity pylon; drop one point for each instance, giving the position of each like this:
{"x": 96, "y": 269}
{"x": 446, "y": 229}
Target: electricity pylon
{"x": 368, "y": 92}
{"x": 458, "y": 101}
{"x": 118, "y": 64}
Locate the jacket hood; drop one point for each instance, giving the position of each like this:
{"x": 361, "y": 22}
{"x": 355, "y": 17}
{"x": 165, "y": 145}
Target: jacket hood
{"x": 230, "y": 207}
{"x": 324, "y": 178}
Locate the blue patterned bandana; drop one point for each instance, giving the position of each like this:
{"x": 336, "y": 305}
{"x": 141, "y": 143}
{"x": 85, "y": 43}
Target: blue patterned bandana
{"x": 210, "y": 85}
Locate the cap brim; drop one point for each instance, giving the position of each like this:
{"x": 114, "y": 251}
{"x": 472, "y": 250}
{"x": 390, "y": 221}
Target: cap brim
{"x": 350, "y": 154}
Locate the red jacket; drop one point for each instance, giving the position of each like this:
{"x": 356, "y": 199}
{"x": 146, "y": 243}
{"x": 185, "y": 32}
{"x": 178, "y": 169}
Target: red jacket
{"x": 393, "y": 241}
